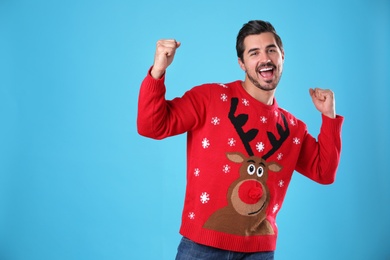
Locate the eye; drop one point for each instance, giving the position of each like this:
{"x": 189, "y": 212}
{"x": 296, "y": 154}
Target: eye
{"x": 254, "y": 53}
{"x": 260, "y": 171}
{"x": 251, "y": 169}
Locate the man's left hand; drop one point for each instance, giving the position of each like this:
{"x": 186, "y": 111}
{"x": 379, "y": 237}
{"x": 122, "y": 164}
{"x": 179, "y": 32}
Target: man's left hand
{"x": 324, "y": 101}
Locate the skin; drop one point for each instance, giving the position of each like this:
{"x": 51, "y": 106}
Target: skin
{"x": 261, "y": 53}
{"x": 165, "y": 52}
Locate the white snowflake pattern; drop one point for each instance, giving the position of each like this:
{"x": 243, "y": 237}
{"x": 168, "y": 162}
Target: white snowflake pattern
{"x": 260, "y": 146}
{"x": 223, "y": 85}
{"x": 296, "y": 140}
{"x": 275, "y": 208}
{"x": 292, "y": 122}
{"x": 191, "y": 215}
{"x": 263, "y": 119}
{"x": 280, "y": 156}
{"x": 281, "y": 183}
{"x": 204, "y": 198}
{"x": 226, "y": 168}
{"x": 224, "y": 97}
{"x": 205, "y": 143}
{"x": 215, "y": 120}
{"x": 196, "y": 172}
{"x": 231, "y": 142}
{"x": 276, "y": 113}
{"x": 245, "y": 102}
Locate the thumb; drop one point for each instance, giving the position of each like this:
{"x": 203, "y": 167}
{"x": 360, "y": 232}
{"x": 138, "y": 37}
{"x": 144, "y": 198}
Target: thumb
{"x": 311, "y": 92}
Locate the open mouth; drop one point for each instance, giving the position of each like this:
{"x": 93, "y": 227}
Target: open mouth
{"x": 267, "y": 72}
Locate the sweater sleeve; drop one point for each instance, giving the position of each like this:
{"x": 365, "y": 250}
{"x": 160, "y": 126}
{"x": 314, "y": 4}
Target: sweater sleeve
{"x": 318, "y": 160}
{"x": 159, "y": 118}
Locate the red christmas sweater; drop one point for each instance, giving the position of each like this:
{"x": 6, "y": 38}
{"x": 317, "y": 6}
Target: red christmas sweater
{"x": 241, "y": 155}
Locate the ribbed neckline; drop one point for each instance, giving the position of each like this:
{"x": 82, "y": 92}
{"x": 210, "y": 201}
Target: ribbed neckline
{"x": 238, "y": 85}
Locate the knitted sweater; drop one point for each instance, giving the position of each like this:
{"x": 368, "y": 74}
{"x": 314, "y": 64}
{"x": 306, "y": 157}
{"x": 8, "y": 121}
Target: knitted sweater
{"x": 241, "y": 155}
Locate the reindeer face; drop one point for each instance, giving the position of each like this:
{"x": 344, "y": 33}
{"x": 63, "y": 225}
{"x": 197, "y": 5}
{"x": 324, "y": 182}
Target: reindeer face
{"x": 249, "y": 194}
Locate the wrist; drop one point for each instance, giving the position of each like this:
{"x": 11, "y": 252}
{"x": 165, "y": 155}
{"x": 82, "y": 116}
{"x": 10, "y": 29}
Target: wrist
{"x": 330, "y": 115}
{"x": 156, "y": 73}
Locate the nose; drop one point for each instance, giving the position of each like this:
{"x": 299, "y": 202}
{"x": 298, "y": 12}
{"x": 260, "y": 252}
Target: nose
{"x": 250, "y": 192}
{"x": 265, "y": 58}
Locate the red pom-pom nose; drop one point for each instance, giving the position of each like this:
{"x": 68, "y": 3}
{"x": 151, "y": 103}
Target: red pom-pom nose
{"x": 250, "y": 192}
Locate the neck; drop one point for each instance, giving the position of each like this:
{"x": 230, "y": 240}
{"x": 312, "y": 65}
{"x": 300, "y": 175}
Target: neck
{"x": 264, "y": 96}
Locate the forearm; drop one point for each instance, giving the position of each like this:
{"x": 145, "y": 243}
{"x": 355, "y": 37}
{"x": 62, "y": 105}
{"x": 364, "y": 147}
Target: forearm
{"x": 159, "y": 118}
{"x": 319, "y": 160}
{"x": 150, "y": 106}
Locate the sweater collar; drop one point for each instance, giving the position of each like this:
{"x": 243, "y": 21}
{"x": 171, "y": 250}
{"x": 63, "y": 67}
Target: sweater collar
{"x": 238, "y": 85}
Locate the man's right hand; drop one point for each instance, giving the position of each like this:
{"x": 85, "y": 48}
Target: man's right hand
{"x": 165, "y": 51}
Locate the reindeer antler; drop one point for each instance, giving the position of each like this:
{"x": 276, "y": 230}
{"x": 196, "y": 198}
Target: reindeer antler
{"x": 276, "y": 144}
{"x": 246, "y": 137}
{"x": 238, "y": 122}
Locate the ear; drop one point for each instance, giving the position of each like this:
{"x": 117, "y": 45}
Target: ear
{"x": 282, "y": 51}
{"x": 235, "y": 157}
{"x": 274, "y": 167}
{"x": 242, "y": 65}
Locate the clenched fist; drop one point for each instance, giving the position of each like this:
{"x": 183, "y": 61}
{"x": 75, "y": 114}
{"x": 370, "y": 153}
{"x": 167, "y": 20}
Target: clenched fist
{"x": 324, "y": 101}
{"x": 165, "y": 51}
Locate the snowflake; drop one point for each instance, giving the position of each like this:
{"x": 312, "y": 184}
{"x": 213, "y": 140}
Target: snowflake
{"x": 281, "y": 183}
{"x": 260, "y": 146}
{"x": 276, "y": 113}
{"x": 196, "y": 172}
{"x": 204, "y": 198}
{"x": 205, "y": 143}
{"x": 226, "y": 168}
{"x": 215, "y": 120}
{"x": 231, "y": 142}
{"x": 263, "y": 119}
{"x": 191, "y": 215}
{"x": 275, "y": 208}
{"x": 280, "y": 156}
{"x": 223, "y": 85}
{"x": 292, "y": 122}
{"x": 224, "y": 97}
{"x": 245, "y": 102}
{"x": 296, "y": 140}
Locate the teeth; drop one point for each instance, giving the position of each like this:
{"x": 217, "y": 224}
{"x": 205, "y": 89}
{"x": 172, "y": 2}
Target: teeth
{"x": 266, "y": 69}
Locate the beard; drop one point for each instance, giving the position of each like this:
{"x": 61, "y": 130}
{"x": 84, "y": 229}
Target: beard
{"x": 268, "y": 85}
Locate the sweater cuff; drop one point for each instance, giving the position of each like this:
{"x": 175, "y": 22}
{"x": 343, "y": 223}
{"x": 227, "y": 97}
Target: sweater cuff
{"x": 332, "y": 124}
{"x": 152, "y": 84}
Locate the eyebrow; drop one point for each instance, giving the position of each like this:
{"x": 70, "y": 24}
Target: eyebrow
{"x": 262, "y": 164}
{"x": 266, "y": 47}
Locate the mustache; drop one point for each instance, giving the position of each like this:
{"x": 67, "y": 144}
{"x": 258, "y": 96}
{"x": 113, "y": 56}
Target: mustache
{"x": 266, "y": 64}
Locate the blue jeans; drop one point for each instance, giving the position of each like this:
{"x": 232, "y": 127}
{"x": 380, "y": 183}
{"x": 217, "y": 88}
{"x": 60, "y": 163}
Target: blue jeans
{"x": 189, "y": 250}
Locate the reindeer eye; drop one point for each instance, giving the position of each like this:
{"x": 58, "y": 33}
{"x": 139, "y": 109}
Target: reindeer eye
{"x": 260, "y": 171}
{"x": 251, "y": 169}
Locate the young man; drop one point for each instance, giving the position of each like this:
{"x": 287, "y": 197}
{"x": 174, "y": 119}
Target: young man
{"x": 242, "y": 148}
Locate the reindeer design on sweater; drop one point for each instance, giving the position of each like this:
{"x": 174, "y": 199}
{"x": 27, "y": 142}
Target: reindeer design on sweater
{"x": 248, "y": 196}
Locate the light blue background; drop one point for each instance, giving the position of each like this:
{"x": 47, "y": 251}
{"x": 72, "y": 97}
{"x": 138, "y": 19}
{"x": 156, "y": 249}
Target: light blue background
{"x": 78, "y": 182}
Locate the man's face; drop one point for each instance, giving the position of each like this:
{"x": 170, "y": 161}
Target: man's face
{"x": 262, "y": 61}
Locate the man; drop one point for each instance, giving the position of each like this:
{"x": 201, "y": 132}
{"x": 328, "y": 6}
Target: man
{"x": 242, "y": 148}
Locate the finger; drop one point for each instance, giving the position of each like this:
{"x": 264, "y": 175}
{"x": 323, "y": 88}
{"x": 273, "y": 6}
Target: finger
{"x": 171, "y": 43}
{"x": 314, "y": 93}
{"x": 318, "y": 93}
{"x": 167, "y": 47}
{"x": 311, "y": 92}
